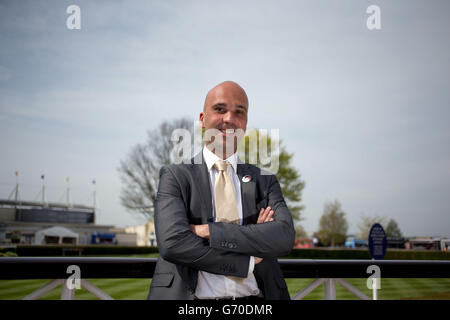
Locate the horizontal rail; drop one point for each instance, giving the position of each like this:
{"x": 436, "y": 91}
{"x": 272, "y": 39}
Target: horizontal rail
{"x": 55, "y": 268}
{"x": 358, "y": 268}
{"x": 95, "y": 267}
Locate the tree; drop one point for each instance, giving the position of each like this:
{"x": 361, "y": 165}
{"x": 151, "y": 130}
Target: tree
{"x": 287, "y": 175}
{"x": 139, "y": 172}
{"x": 392, "y": 229}
{"x": 366, "y": 222}
{"x": 300, "y": 231}
{"x": 333, "y": 224}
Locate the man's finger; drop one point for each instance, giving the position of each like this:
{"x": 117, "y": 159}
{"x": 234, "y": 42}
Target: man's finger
{"x": 192, "y": 228}
{"x": 260, "y": 220}
{"x": 269, "y": 216}
{"x": 263, "y": 215}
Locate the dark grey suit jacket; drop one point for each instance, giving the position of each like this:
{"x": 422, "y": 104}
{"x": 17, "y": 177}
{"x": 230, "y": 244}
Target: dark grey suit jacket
{"x": 184, "y": 198}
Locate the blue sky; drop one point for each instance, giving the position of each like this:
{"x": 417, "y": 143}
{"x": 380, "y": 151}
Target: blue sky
{"x": 366, "y": 113}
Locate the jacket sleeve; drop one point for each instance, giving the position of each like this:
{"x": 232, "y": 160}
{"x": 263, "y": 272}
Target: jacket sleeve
{"x": 178, "y": 244}
{"x": 270, "y": 239}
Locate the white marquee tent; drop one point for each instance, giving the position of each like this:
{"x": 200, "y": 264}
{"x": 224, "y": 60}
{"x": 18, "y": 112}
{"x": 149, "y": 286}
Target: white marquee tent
{"x": 64, "y": 235}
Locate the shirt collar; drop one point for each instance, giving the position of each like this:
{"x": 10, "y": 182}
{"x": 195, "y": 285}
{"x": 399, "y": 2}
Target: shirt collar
{"x": 211, "y": 158}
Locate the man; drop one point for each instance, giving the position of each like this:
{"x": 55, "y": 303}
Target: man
{"x": 220, "y": 224}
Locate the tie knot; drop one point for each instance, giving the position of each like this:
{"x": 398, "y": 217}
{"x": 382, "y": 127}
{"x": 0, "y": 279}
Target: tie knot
{"x": 221, "y": 165}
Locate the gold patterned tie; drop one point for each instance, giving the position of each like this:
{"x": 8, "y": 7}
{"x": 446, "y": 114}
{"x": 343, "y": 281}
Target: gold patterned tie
{"x": 224, "y": 196}
{"x": 225, "y": 200}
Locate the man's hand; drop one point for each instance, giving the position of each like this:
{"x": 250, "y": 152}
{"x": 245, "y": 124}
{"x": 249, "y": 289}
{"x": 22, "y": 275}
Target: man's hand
{"x": 265, "y": 215}
{"x": 201, "y": 230}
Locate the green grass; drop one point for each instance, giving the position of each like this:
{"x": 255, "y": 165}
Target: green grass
{"x": 121, "y": 289}
{"x": 391, "y": 289}
{"x": 137, "y": 289}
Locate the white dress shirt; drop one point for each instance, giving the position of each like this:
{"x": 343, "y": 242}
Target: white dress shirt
{"x": 209, "y": 285}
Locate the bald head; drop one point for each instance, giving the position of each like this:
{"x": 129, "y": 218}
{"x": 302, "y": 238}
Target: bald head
{"x": 227, "y": 88}
{"x": 225, "y": 115}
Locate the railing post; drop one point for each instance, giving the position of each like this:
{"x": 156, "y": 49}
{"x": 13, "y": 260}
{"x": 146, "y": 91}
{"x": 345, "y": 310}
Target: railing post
{"x": 95, "y": 290}
{"x": 352, "y": 289}
{"x": 330, "y": 289}
{"x": 375, "y": 288}
{"x": 304, "y": 292}
{"x": 44, "y": 289}
{"x": 66, "y": 292}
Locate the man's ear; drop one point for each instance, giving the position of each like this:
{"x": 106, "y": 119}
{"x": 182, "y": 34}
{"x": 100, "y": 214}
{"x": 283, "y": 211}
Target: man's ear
{"x": 202, "y": 118}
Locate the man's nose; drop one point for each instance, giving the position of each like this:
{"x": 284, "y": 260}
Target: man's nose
{"x": 228, "y": 117}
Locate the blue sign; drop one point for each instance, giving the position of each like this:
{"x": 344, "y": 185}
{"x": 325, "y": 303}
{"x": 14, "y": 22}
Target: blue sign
{"x": 377, "y": 242}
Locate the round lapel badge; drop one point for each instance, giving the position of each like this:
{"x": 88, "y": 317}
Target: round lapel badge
{"x": 246, "y": 178}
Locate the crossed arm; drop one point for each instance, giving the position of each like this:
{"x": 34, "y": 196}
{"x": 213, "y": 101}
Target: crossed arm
{"x": 202, "y": 230}
{"x": 269, "y": 239}
{"x": 183, "y": 244}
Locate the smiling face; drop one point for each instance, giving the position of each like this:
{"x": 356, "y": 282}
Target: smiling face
{"x": 224, "y": 118}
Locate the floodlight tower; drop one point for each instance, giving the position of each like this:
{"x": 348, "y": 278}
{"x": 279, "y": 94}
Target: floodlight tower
{"x": 44, "y": 200}
{"x": 15, "y": 191}
{"x": 94, "y": 194}
{"x": 69, "y": 205}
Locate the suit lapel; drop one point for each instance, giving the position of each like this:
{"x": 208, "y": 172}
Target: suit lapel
{"x": 248, "y": 192}
{"x": 202, "y": 184}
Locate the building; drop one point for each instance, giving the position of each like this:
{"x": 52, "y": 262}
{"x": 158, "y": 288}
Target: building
{"x": 140, "y": 235}
{"x": 424, "y": 243}
{"x": 445, "y": 244}
{"x": 20, "y": 222}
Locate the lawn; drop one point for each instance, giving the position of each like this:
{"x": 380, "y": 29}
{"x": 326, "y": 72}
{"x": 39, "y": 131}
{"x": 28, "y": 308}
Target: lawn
{"x": 137, "y": 289}
{"x": 391, "y": 289}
